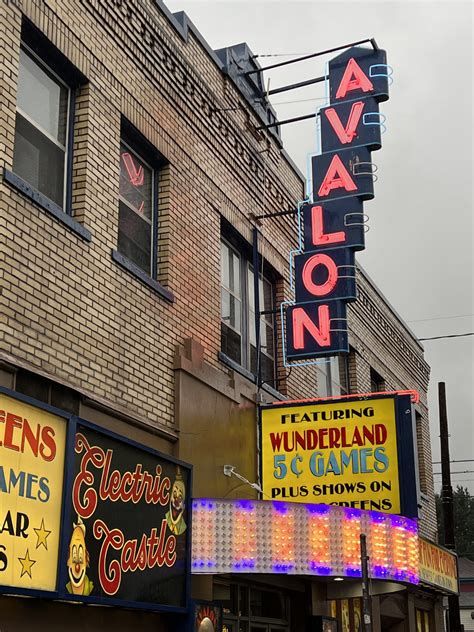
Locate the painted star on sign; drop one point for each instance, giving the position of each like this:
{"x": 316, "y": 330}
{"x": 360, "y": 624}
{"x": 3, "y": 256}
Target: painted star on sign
{"x": 41, "y": 535}
{"x": 26, "y": 564}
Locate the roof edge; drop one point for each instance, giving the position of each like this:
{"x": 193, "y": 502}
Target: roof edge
{"x": 399, "y": 318}
{"x": 182, "y": 24}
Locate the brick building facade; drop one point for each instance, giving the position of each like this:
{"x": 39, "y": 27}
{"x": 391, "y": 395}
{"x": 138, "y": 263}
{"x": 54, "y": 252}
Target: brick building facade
{"x": 131, "y": 337}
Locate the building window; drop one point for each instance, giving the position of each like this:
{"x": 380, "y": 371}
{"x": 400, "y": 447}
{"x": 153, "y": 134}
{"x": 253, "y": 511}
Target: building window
{"x": 254, "y": 608}
{"x": 377, "y": 383}
{"x": 267, "y": 328}
{"x": 422, "y": 621}
{"x": 46, "y": 391}
{"x": 231, "y": 303}
{"x": 422, "y": 473}
{"x": 332, "y": 376}
{"x": 137, "y": 210}
{"x": 238, "y": 319}
{"x": 41, "y": 130}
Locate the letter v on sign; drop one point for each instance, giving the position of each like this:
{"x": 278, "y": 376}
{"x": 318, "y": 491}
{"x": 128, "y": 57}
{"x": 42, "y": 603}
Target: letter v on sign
{"x": 345, "y": 134}
{"x": 351, "y": 124}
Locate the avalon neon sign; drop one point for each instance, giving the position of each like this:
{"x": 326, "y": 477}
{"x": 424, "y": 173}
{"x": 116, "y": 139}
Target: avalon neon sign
{"x": 332, "y": 225}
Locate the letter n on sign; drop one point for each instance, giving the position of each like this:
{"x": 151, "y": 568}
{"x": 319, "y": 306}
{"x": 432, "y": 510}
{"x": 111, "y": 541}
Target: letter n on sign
{"x": 316, "y": 330}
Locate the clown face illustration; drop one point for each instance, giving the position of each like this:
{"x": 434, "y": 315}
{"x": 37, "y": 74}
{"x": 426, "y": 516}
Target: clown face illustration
{"x": 174, "y": 517}
{"x": 78, "y": 561}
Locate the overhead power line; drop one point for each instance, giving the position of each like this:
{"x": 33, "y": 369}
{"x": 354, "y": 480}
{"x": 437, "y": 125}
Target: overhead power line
{"x": 457, "y": 472}
{"x": 300, "y": 101}
{"x": 470, "y": 333}
{"x": 463, "y": 480}
{"x": 423, "y": 320}
{"x": 281, "y": 54}
{"x": 455, "y": 461}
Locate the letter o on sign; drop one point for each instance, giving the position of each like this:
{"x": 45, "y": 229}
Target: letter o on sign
{"x": 324, "y": 288}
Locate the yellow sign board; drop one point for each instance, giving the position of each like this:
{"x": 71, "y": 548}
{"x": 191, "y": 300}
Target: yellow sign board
{"x": 438, "y": 566}
{"x": 32, "y": 448}
{"x": 338, "y": 453}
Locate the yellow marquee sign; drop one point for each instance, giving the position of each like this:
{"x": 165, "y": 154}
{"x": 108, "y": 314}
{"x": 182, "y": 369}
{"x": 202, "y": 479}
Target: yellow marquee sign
{"x": 338, "y": 453}
{"x": 32, "y": 448}
{"x": 438, "y": 566}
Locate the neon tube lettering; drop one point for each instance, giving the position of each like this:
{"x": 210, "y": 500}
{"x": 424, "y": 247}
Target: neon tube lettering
{"x": 349, "y": 132}
{"x": 353, "y": 79}
{"x": 318, "y": 236}
{"x": 336, "y": 177}
{"x": 302, "y": 322}
{"x": 136, "y": 176}
{"x": 307, "y": 275}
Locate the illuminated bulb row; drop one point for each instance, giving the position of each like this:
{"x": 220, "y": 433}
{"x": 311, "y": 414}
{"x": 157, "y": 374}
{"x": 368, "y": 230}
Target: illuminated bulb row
{"x": 413, "y": 554}
{"x": 319, "y": 540}
{"x": 271, "y": 537}
{"x": 351, "y": 543}
{"x": 204, "y": 517}
{"x": 379, "y": 548}
{"x": 283, "y": 533}
{"x": 399, "y": 548}
{"x": 244, "y": 540}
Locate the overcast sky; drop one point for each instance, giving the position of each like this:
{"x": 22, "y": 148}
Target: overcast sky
{"x": 419, "y": 249}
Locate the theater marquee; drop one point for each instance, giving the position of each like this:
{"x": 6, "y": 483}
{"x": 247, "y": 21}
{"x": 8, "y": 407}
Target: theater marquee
{"x": 355, "y": 453}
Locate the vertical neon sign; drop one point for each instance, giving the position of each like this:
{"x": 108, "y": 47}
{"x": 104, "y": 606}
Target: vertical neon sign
{"x": 332, "y": 226}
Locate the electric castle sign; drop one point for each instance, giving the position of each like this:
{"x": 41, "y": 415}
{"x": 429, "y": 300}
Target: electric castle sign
{"x": 332, "y": 225}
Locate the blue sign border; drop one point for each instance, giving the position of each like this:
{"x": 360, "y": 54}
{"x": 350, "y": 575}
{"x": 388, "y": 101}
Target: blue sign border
{"x": 406, "y": 441}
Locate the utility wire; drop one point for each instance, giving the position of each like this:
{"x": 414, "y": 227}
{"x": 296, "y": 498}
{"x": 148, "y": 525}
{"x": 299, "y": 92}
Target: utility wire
{"x": 422, "y": 320}
{"x": 463, "y": 480}
{"x": 455, "y": 461}
{"x": 300, "y": 101}
{"x": 471, "y": 333}
{"x": 457, "y": 472}
{"x": 280, "y": 55}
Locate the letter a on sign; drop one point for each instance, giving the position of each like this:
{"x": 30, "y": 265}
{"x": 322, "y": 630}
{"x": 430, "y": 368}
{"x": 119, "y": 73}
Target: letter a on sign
{"x": 342, "y": 174}
{"x": 358, "y": 72}
{"x": 353, "y": 79}
{"x": 336, "y": 177}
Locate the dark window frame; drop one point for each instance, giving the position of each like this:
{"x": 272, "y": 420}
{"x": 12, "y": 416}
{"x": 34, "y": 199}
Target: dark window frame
{"x": 51, "y": 58}
{"x": 377, "y": 382}
{"x": 134, "y": 140}
{"x": 153, "y": 222}
{"x": 244, "y": 252}
{"x": 241, "y": 592}
{"x": 53, "y": 61}
{"x": 69, "y": 134}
